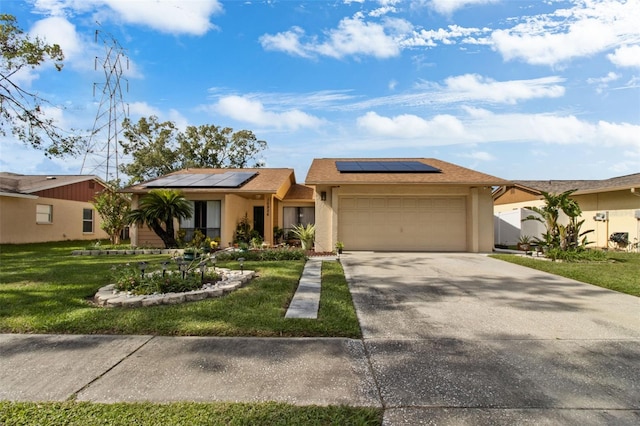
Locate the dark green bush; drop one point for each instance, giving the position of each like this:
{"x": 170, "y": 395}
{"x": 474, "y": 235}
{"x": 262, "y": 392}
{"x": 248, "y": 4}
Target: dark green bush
{"x": 263, "y": 255}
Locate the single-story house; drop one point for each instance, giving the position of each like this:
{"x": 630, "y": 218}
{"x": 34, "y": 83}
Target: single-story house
{"x": 221, "y": 198}
{"x": 40, "y": 208}
{"x": 608, "y": 206}
{"x": 414, "y": 204}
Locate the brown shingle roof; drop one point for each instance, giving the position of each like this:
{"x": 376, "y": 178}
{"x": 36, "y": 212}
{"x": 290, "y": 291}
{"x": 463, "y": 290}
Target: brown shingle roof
{"x": 323, "y": 171}
{"x": 265, "y": 181}
{"x": 28, "y": 184}
{"x": 583, "y": 186}
{"x": 299, "y": 192}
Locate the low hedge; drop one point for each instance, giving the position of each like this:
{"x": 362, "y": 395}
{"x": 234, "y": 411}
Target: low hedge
{"x": 263, "y": 255}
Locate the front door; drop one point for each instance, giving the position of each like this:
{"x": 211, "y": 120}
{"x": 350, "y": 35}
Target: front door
{"x": 258, "y": 220}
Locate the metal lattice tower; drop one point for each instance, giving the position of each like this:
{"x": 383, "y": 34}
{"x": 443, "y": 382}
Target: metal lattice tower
{"x": 102, "y": 156}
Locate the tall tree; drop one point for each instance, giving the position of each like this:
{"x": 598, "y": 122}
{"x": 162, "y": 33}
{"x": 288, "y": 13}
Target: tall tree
{"x": 113, "y": 208}
{"x": 152, "y": 145}
{"x": 158, "y": 209}
{"x": 21, "y": 111}
{"x": 213, "y": 146}
{"x": 158, "y": 148}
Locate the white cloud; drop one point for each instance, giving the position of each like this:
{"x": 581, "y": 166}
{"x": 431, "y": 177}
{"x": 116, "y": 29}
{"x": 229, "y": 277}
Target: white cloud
{"x": 482, "y": 126}
{"x": 253, "y": 112}
{"x": 353, "y": 36}
{"x": 603, "y": 82}
{"x": 588, "y": 28}
{"x": 57, "y": 30}
{"x": 626, "y": 56}
{"x": 474, "y": 87}
{"x": 169, "y": 16}
{"x": 448, "y": 36}
{"x": 447, "y": 7}
{"x": 409, "y": 126}
{"x": 470, "y": 88}
{"x": 479, "y": 155}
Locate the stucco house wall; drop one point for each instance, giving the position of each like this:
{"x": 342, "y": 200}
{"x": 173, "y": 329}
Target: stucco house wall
{"x": 18, "y": 221}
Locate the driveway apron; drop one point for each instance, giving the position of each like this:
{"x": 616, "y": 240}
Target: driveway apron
{"x": 458, "y": 338}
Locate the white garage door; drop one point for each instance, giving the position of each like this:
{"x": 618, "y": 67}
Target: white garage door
{"x": 403, "y": 223}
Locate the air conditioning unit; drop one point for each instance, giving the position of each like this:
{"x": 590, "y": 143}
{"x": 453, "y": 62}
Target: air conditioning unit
{"x": 601, "y": 217}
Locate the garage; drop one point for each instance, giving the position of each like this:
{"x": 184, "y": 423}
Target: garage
{"x": 401, "y": 204}
{"x": 403, "y": 223}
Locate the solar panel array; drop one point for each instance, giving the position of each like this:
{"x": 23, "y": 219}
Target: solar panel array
{"x": 200, "y": 180}
{"x": 385, "y": 167}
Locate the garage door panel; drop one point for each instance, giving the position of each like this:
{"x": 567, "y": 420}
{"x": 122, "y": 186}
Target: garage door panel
{"x": 403, "y": 223}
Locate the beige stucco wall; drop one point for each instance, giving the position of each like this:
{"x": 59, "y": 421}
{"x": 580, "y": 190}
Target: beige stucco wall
{"x": 620, "y": 206}
{"x": 478, "y": 201}
{"x": 18, "y": 221}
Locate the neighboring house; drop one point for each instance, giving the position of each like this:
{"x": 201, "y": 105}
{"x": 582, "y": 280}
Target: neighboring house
{"x": 608, "y": 206}
{"x": 415, "y": 204}
{"x": 222, "y": 197}
{"x": 38, "y": 208}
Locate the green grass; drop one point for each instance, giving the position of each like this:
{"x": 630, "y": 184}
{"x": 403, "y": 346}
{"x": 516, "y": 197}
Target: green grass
{"x": 43, "y": 289}
{"x": 87, "y": 414}
{"x": 621, "y": 271}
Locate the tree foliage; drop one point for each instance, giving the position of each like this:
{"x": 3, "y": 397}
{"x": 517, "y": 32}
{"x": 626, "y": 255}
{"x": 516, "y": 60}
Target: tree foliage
{"x": 158, "y": 148}
{"x": 158, "y": 209}
{"x": 113, "y": 207}
{"x": 21, "y": 111}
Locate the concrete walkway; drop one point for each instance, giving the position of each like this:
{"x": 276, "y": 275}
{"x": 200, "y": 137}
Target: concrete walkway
{"x": 306, "y": 300}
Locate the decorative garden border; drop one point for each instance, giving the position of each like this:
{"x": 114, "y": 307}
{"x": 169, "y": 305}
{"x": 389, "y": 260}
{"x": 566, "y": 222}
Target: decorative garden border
{"x": 232, "y": 280}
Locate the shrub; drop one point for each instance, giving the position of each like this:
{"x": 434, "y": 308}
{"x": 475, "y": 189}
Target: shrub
{"x": 263, "y": 255}
{"x": 576, "y": 255}
{"x": 130, "y": 279}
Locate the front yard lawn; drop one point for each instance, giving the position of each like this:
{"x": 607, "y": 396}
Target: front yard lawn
{"x": 620, "y": 273}
{"x": 43, "y": 289}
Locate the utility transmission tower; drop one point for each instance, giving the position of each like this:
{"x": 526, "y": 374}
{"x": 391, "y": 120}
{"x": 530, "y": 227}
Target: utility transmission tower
{"x": 102, "y": 154}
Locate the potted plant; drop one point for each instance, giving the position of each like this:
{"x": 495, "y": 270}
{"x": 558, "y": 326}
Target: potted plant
{"x": 524, "y": 243}
{"x": 339, "y": 247}
{"x": 306, "y": 235}
{"x": 190, "y": 253}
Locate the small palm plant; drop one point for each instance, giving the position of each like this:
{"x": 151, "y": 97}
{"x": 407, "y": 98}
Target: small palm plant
{"x": 305, "y": 234}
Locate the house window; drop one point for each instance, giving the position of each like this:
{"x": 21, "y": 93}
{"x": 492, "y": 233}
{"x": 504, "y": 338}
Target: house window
{"x": 44, "y": 213}
{"x": 206, "y": 217}
{"x": 87, "y": 221}
{"x": 293, "y": 216}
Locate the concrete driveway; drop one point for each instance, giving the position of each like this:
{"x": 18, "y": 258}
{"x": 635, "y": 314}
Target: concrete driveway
{"x": 466, "y": 339}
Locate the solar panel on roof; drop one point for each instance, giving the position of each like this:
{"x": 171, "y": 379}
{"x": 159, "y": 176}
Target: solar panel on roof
{"x": 200, "y": 180}
{"x": 385, "y": 167}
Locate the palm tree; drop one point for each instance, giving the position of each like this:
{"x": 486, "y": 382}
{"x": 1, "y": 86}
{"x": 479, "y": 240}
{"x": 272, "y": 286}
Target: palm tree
{"x": 158, "y": 209}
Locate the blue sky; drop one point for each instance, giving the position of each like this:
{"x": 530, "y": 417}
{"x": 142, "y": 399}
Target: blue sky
{"x": 515, "y": 88}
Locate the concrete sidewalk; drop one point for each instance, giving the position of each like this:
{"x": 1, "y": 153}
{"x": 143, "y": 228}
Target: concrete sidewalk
{"x": 304, "y": 371}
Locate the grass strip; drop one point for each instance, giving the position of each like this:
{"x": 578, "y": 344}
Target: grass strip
{"x": 271, "y": 413}
{"x": 621, "y": 271}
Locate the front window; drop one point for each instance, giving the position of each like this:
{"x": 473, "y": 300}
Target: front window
{"x": 293, "y": 216}
{"x": 87, "y": 221}
{"x": 44, "y": 213}
{"x": 206, "y": 218}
